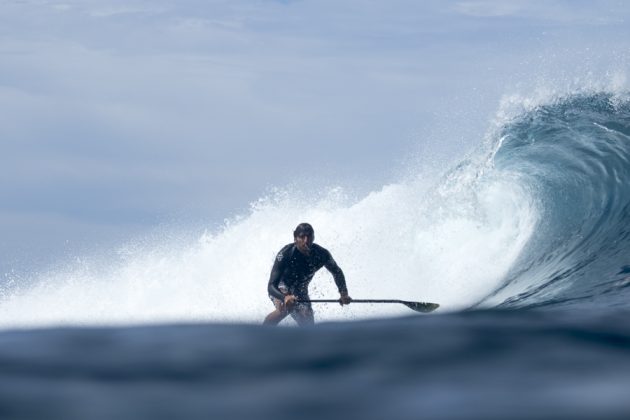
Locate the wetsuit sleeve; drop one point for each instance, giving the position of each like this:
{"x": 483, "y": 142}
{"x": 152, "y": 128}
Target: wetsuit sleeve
{"x": 276, "y": 275}
{"x": 335, "y": 270}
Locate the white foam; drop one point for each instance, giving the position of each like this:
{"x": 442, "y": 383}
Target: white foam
{"x": 451, "y": 244}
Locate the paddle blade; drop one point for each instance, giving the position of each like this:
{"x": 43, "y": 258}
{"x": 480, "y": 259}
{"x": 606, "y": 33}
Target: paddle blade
{"x": 423, "y": 307}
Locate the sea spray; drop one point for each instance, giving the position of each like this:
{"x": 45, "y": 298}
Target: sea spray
{"x": 406, "y": 240}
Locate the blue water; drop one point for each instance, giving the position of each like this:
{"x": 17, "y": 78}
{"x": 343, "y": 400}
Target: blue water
{"x": 549, "y": 339}
{"x": 574, "y": 156}
{"x": 485, "y": 364}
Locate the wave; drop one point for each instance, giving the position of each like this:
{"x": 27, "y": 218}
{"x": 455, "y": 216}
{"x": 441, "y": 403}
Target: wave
{"x": 538, "y": 216}
{"x": 572, "y": 155}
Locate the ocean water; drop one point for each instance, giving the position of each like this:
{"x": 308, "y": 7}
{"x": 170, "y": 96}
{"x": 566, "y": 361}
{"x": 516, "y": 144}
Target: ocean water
{"x": 524, "y": 244}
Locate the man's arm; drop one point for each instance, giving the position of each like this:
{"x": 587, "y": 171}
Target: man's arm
{"x": 335, "y": 270}
{"x": 276, "y": 274}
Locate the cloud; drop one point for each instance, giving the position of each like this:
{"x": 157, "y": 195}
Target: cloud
{"x": 488, "y": 8}
{"x": 567, "y": 12}
{"x": 109, "y": 12}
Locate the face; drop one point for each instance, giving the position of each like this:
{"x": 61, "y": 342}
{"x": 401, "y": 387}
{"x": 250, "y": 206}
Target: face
{"x": 303, "y": 242}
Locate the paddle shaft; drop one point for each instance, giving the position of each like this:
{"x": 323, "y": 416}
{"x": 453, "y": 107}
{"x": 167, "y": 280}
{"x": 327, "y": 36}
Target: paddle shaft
{"x": 416, "y": 306}
{"x": 354, "y": 301}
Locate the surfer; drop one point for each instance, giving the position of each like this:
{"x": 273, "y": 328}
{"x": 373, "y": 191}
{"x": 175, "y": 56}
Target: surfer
{"x": 293, "y": 269}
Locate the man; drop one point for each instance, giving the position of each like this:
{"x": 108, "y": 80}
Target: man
{"x": 293, "y": 270}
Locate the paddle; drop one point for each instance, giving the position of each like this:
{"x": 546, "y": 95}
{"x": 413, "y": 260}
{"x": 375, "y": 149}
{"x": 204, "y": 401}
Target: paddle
{"x": 416, "y": 306}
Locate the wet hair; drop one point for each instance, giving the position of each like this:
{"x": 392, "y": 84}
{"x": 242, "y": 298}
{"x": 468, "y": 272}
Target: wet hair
{"x": 303, "y": 228}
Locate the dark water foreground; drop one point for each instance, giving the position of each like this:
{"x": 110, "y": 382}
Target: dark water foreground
{"x": 484, "y": 364}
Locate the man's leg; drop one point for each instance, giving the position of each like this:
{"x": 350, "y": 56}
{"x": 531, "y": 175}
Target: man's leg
{"x": 303, "y": 315}
{"x": 276, "y": 316}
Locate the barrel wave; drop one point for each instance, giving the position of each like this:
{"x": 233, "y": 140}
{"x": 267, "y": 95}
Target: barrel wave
{"x": 537, "y": 216}
{"x": 572, "y": 156}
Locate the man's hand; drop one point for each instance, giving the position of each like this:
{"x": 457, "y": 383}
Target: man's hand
{"x": 289, "y": 302}
{"x": 345, "y": 299}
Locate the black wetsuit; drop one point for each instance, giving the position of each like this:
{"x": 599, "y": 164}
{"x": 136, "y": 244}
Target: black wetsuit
{"x": 292, "y": 271}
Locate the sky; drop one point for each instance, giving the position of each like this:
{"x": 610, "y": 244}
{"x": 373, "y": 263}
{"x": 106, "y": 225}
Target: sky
{"x": 120, "y": 118}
